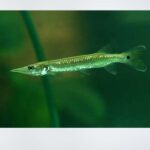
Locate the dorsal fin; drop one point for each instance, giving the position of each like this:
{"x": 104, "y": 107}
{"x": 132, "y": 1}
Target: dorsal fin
{"x": 106, "y": 49}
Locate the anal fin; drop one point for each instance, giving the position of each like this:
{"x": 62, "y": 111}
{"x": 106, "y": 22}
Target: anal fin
{"x": 111, "y": 69}
{"x": 84, "y": 72}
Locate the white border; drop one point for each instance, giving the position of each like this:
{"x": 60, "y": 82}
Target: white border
{"x": 75, "y": 4}
{"x": 74, "y": 139}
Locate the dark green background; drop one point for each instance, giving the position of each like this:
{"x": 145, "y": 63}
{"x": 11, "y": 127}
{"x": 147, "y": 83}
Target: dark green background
{"x": 95, "y": 100}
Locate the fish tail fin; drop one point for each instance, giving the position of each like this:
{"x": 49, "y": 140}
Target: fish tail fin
{"x": 133, "y": 58}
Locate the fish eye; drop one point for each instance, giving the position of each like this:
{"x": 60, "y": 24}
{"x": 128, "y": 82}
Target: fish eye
{"x": 128, "y": 57}
{"x": 30, "y": 67}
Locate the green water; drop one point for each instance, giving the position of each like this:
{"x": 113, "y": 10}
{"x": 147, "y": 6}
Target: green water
{"x": 98, "y": 99}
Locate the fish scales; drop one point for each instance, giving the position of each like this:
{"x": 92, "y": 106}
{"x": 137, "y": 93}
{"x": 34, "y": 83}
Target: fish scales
{"x": 80, "y": 62}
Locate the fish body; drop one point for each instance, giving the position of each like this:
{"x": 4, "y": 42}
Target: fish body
{"x": 84, "y": 62}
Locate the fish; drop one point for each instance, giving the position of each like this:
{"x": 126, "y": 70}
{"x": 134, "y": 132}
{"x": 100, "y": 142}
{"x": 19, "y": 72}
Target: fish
{"x": 103, "y": 58}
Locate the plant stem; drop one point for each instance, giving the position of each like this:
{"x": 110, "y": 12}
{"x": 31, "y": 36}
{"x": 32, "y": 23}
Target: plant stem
{"x": 40, "y": 56}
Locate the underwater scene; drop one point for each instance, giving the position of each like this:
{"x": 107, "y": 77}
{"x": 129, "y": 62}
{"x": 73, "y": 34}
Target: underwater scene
{"x": 74, "y": 69}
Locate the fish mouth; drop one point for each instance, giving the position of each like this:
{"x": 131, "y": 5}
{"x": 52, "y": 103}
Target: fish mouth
{"x": 15, "y": 70}
{"x": 25, "y": 71}
{"x": 22, "y": 70}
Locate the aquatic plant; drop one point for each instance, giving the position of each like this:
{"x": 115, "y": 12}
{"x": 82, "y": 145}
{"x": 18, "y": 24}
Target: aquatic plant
{"x": 39, "y": 51}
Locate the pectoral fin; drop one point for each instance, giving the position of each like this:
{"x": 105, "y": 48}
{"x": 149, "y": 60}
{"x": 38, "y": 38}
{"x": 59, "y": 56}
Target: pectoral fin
{"x": 111, "y": 69}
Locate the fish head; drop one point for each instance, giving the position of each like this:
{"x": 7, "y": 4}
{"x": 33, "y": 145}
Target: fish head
{"x": 34, "y": 70}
